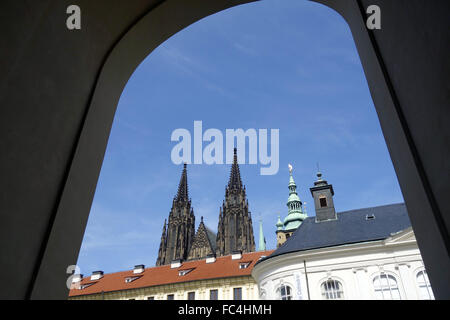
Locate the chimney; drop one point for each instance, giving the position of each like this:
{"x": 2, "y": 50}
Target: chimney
{"x": 139, "y": 268}
{"x": 211, "y": 258}
{"x": 77, "y": 278}
{"x": 96, "y": 275}
{"x": 175, "y": 264}
{"x": 236, "y": 255}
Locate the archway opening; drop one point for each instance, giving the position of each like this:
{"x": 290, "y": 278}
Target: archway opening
{"x": 290, "y": 66}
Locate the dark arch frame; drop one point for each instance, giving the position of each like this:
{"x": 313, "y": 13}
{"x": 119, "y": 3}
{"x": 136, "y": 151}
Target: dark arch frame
{"x": 43, "y": 225}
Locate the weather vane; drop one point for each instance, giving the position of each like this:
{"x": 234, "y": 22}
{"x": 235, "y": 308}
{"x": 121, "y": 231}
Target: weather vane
{"x": 290, "y": 168}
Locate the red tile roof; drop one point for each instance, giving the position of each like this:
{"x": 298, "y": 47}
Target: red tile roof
{"x": 223, "y": 267}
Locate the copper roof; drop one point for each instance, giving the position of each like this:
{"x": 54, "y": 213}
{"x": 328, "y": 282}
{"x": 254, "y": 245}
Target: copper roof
{"x": 223, "y": 267}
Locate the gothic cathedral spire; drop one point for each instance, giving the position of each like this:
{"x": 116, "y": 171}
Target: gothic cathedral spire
{"x": 177, "y": 239}
{"x": 182, "y": 194}
{"x": 235, "y": 230}
{"x": 235, "y": 175}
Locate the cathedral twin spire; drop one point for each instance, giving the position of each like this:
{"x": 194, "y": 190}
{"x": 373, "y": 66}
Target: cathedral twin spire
{"x": 178, "y": 234}
{"x": 235, "y": 230}
{"x": 235, "y": 175}
{"x": 182, "y": 194}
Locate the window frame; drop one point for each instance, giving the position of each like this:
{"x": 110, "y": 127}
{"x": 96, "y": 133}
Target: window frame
{"x": 131, "y": 279}
{"x": 323, "y": 198}
{"x": 332, "y": 289}
{"x": 244, "y": 265}
{"x": 216, "y": 292}
{"x": 288, "y": 292}
{"x": 425, "y": 284}
{"x": 182, "y": 273}
{"x": 390, "y": 289}
{"x": 191, "y": 295}
{"x": 237, "y": 289}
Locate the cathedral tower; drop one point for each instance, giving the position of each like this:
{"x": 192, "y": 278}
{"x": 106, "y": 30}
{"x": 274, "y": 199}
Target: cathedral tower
{"x": 323, "y": 193}
{"x": 235, "y": 230}
{"x": 178, "y": 235}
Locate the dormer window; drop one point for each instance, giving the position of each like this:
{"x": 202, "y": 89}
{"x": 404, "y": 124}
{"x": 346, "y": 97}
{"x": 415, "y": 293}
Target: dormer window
{"x": 184, "y": 272}
{"x": 84, "y": 286}
{"x": 370, "y": 216}
{"x": 323, "y": 202}
{"x": 130, "y": 279}
{"x": 244, "y": 265}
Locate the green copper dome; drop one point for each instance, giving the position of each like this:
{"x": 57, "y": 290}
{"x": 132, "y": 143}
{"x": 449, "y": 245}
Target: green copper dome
{"x": 295, "y": 213}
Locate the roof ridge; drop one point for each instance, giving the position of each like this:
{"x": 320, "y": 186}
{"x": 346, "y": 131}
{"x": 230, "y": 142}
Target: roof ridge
{"x": 380, "y": 206}
{"x": 223, "y": 267}
{"x": 184, "y": 262}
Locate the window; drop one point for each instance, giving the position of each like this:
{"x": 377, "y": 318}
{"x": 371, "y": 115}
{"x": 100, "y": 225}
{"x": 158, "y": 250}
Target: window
{"x": 84, "y": 286}
{"x": 170, "y": 297}
{"x": 184, "y": 272}
{"x": 424, "y": 286}
{"x": 386, "y": 287}
{"x": 214, "y": 294}
{"x": 284, "y": 292}
{"x": 130, "y": 279}
{"x": 323, "y": 202}
{"x": 237, "y": 294}
{"x": 244, "y": 265}
{"x": 151, "y": 298}
{"x": 332, "y": 290}
{"x": 191, "y": 295}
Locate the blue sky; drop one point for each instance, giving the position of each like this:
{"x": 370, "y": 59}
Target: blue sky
{"x": 290, "y": 65}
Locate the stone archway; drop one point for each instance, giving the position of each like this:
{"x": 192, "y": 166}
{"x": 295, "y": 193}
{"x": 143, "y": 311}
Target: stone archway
{"x": 60, "y": 89}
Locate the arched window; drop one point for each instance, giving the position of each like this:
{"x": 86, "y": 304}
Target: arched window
{"x": 386, "y": 287}
{"x": 332, "y": 290}
{"x": 284, "y": 292}
{"x": 424, "y": 286}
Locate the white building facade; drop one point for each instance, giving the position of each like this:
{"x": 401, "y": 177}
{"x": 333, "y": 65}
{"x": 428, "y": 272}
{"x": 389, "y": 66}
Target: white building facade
{"x": 368, "y": 253}
{"x": 385, "y": 269}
